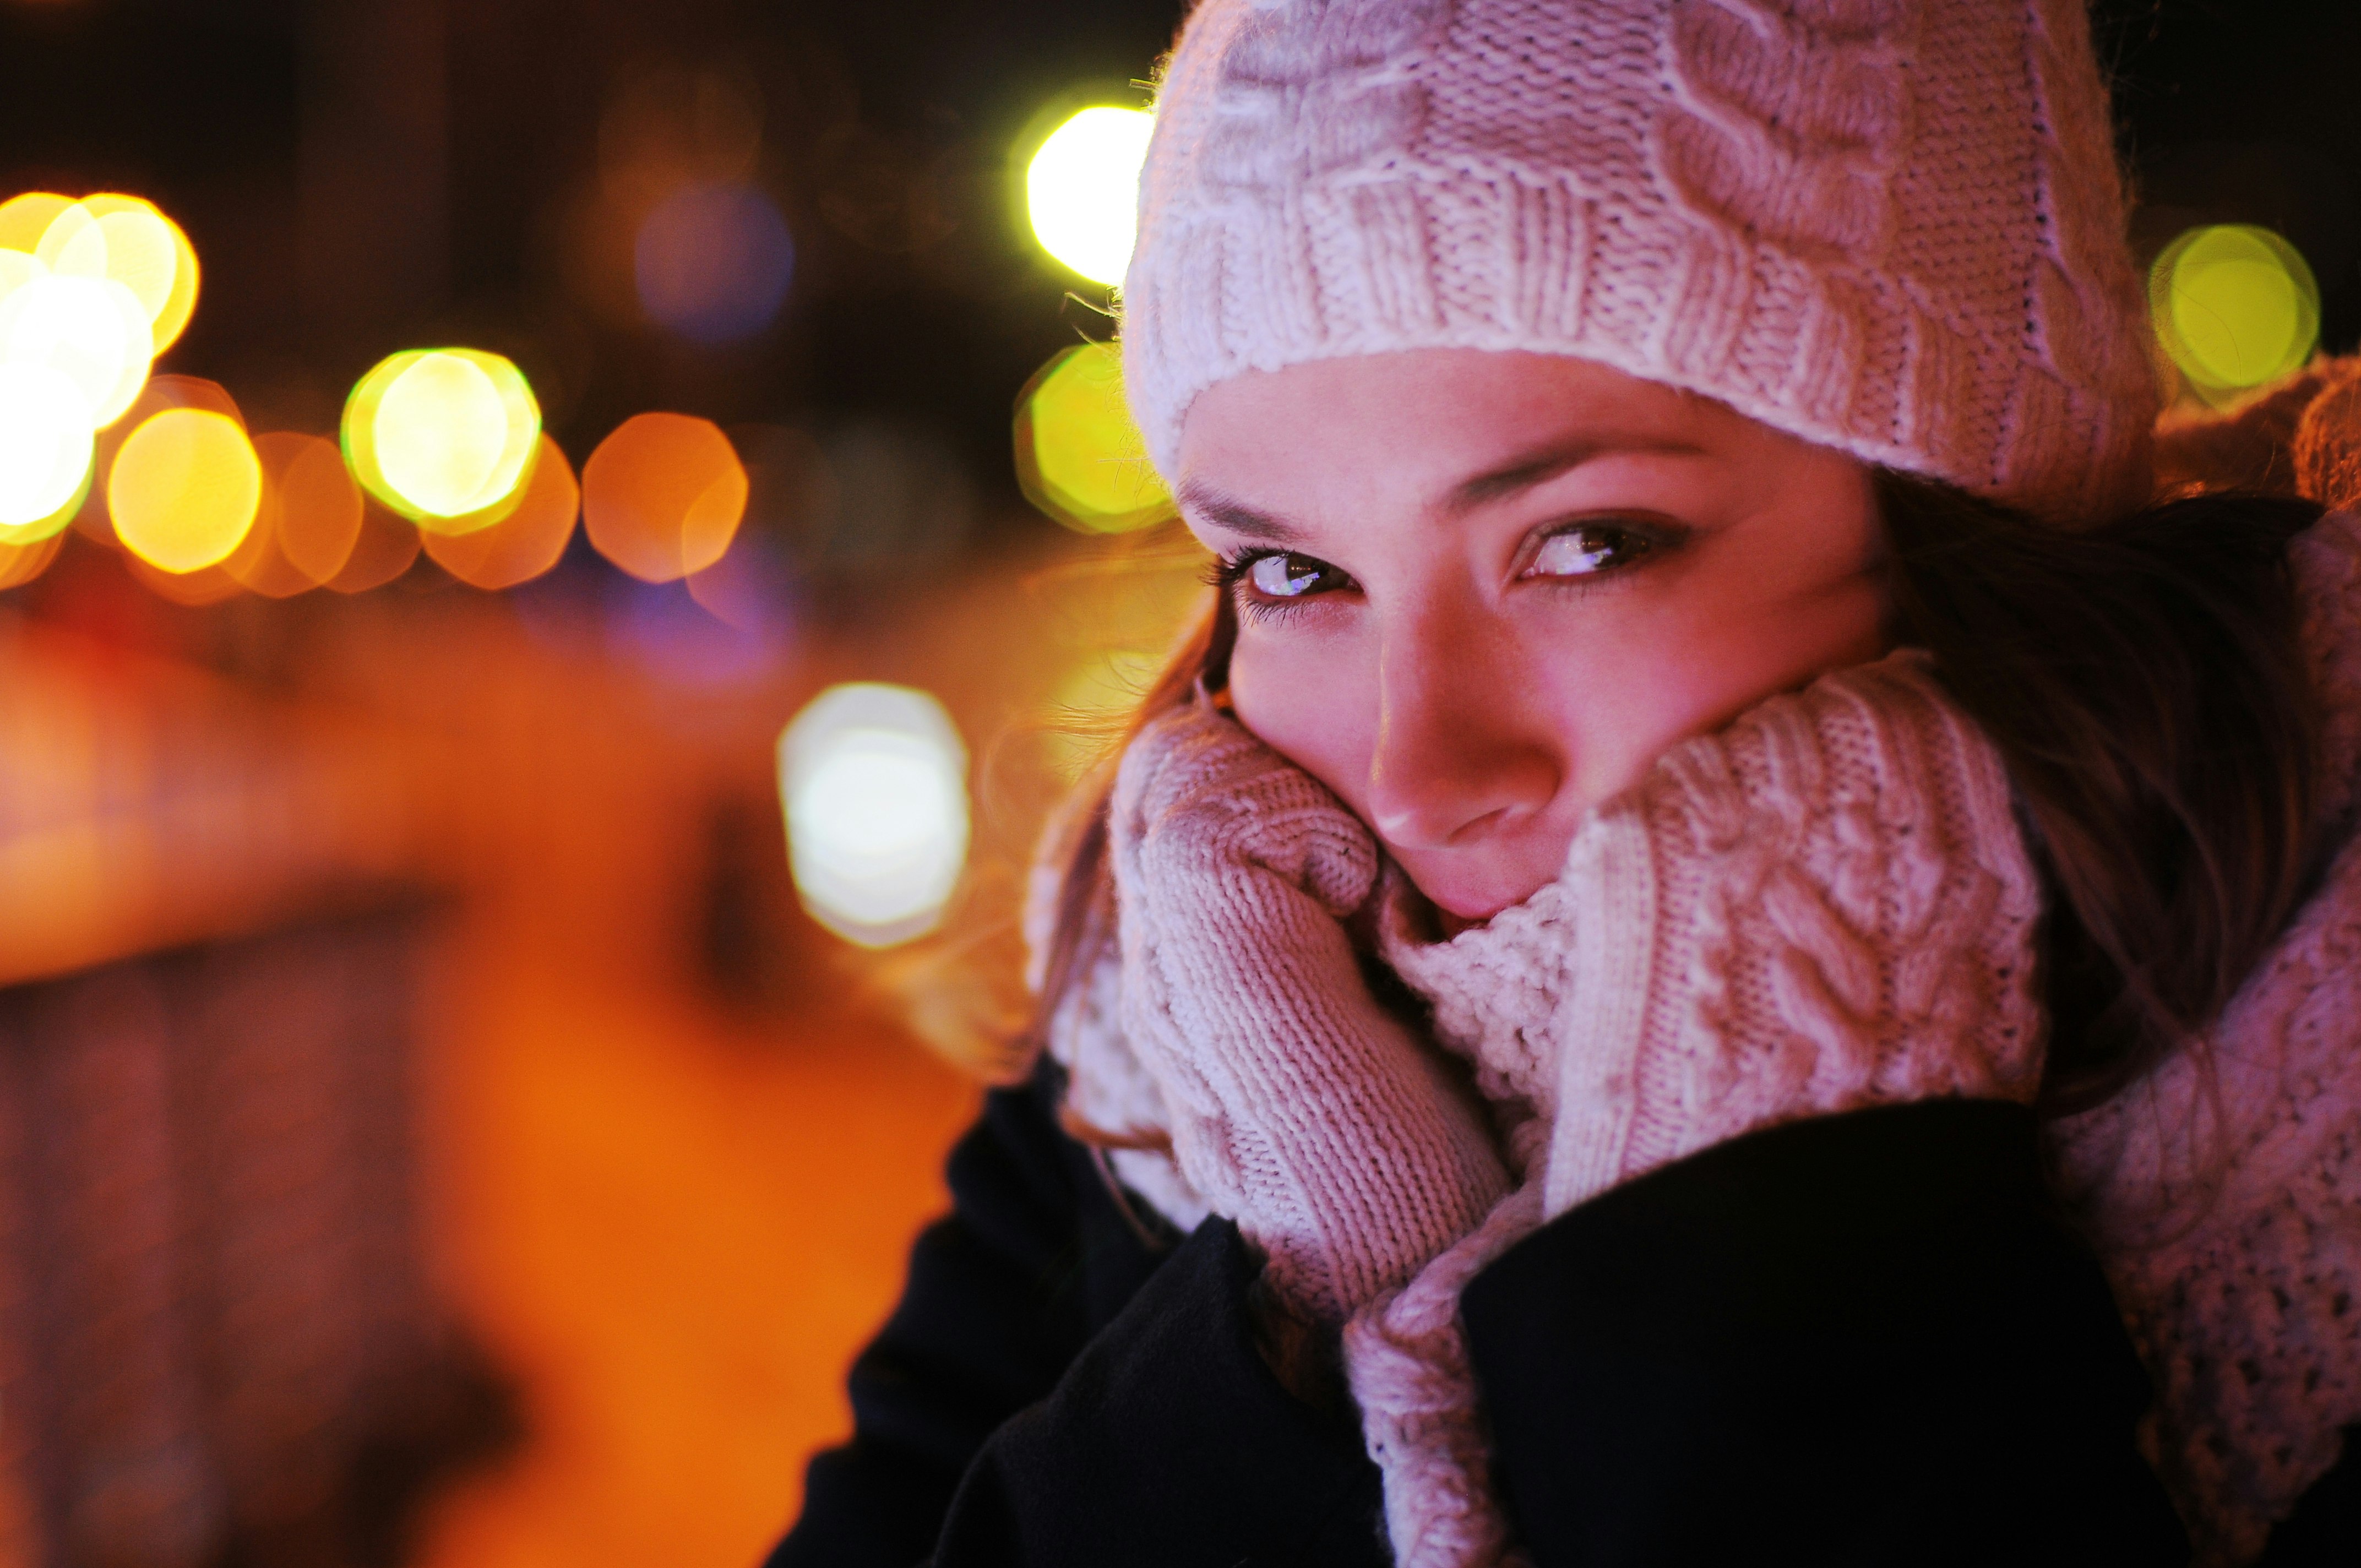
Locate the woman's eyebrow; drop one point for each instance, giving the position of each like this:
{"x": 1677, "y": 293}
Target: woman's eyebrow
{"x": 1203, "y": 500}
{"x": 1200, "y": 499}
{"x": 1539, "y": 467}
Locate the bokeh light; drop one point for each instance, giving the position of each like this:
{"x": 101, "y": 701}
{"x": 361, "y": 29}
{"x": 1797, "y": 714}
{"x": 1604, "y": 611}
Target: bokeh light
{"x": 662, "y": 496}
{"x": 45, "y": 452}
{"x": 139, "y": 247}
{"x": 713, "y": 261}
{"x": 873, "y": 781}
{"x": 2234, "y": 306}
{"x": 1079, "y": 457}
{"x": 309, "y": 520}
{"x": 528, "y": 541}
{"x": 1082, "y": 189}
{"x": 185, "y": 489}
{"x": 441, "y": 435}
{"x": 20, "y": 564}
{"x": 90, "y": 329}
{"x": 90, "y": 290}
{"x": 25, "y": 219}
{"x": 388, "y": 546}
{"x": 163, "y": 392}
{"x": 206, "y": 585}
{"x": 18, "y": 267}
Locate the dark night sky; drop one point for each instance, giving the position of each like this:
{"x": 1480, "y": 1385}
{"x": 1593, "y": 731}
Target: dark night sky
{"x": 298, "y": 145}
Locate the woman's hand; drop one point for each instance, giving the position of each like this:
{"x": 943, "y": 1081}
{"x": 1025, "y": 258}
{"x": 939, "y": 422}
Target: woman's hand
{"x": 1823, "y": 907}
{"x": 1300, "y": 1108}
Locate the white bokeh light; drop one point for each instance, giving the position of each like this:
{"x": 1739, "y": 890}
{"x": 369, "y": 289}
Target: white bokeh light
{"x": 90, "y": 330}
{"x": 45, "y": 448}
{"x": 1082, "y": 189}
{"x": 874, "y": 780}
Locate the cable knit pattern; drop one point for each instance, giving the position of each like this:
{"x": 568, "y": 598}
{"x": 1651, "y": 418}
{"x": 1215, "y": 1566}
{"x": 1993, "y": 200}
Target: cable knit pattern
{"x": 1890, "y": 227}
{"x": 2227, "y": 1209}
{"x": 2225, "y": 1190}
{"x": 1827, "y": 906}
{"x": 1824, "y": 906}
{"x": 1298, "y": 1106}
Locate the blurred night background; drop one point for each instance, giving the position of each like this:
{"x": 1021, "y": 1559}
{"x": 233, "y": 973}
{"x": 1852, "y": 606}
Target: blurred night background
{"x": 436, "y": 1124}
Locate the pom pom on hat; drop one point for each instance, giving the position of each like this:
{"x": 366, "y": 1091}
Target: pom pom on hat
{"x": 1894, "y": 227}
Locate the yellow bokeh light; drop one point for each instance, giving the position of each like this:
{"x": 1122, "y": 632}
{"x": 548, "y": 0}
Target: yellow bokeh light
{"x": 25, "y": 219}
{"x": 90, "y": 329}
{"x": 74, "y": 246}
{"x": 185, "y": 489}
{"x": 147, "y": 254}
{"x": 874, "y": 782}
{"x": 662, "y": 496}
{"x": 106, "y": 237}
{"x": 2234, "y": 306}
{"x": 442, "y": 435}
{"x": 1079, "y": 457}
{"x": 45, "y": 452}
{"x": 1082, "y": 189}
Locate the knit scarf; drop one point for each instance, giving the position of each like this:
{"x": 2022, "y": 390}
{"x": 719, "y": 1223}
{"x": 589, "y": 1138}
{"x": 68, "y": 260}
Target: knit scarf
{"x": 2223, "y": 1193}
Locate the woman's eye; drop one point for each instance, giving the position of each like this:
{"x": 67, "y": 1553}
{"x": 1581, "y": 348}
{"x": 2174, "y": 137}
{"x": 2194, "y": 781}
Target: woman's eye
{"x": 1584, "y": 551}
{"x": 1287, "y": 577}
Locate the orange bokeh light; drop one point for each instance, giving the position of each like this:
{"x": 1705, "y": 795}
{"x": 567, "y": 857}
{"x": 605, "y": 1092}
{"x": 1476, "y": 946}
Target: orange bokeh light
{"x": 528, "y": 541}
{"x": 662, "y": 496}
{"x": 387, "y": 546}
{"x": 309, "y": 521}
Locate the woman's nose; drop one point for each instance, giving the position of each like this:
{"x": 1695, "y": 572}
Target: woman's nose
{"x": 1460, "y": 752}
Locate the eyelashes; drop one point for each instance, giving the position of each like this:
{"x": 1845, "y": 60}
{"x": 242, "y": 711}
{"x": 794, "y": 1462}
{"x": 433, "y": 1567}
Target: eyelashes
{"x": 1582, "y": 557}
{"x": 1232, "y": 576}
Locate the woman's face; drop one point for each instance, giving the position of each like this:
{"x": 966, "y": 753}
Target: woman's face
{"x": 1480, "y": 592}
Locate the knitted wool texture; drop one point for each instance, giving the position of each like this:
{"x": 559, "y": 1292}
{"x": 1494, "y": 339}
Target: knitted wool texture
{"x": 1894, "y": 227}
{"x": 2225, "y": 1191}
{"x": 1240, "y": 993}
{"x": 2224, "y": 1200}
{"x": 1824, "y": 906}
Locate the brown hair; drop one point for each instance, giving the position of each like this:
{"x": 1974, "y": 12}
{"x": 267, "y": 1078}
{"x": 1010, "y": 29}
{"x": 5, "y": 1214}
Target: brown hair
{"x": 2143, "y": 680}
{"x": 2143, "y": 683}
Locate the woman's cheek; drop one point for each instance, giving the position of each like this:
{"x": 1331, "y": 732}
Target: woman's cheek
{"x": 1313, "y": 707}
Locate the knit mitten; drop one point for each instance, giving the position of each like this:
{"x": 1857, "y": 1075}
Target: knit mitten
{"x": 1824, "y": 906}
{"x": 1406, "y": 1361}
{"x": 1298, "y": 1106}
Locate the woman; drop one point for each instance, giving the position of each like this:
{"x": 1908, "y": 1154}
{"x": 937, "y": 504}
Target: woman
{"x": 1729, "y": 944}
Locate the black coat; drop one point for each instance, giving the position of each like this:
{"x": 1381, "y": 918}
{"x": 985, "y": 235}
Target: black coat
{"x": 1863, "y": 1338}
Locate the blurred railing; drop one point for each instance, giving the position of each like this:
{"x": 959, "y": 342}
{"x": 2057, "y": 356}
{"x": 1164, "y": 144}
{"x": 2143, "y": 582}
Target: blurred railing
{"x": 218, "y": 1343}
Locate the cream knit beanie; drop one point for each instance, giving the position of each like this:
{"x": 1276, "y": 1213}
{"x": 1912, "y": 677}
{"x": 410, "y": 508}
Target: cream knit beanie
{"x": 1894, "y": 227}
